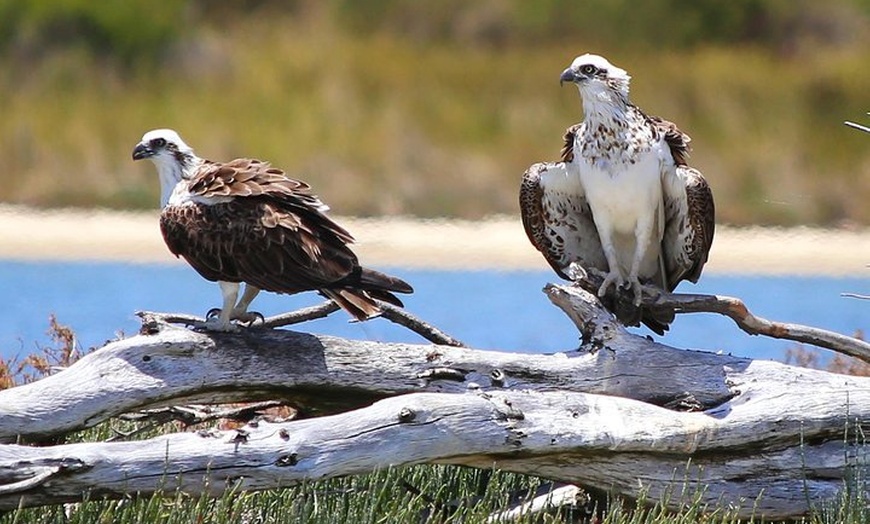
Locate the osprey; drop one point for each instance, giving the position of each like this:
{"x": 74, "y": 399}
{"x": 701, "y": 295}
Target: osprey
{"x": 623, "y": 200}
{"x": 244, "y": 221}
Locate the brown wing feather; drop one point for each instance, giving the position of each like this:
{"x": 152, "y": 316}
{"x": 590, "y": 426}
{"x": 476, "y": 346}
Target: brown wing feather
{"x": 702, "y": 221}
{"x": 532, "y": 213}
{"x": 690, "y": 224}
{"x": 559, "y": 223}
{"x": 676, "y": 139}
{"x": 567, "y": 153}
{"x": 245, "y": 177}
{"x": 272, "y": 233}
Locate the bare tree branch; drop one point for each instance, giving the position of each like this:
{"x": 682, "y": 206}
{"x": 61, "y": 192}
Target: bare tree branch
{"x": 424, "y": 329}
{"x": 321, "y": 310}
{"x": 389, "y": 312}
{"x": 736, "y": 310}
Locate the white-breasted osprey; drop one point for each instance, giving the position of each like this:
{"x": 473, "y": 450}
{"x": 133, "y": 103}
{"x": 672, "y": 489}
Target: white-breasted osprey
{"x": 622, "y": 201}
{"x": 245, "y": 221}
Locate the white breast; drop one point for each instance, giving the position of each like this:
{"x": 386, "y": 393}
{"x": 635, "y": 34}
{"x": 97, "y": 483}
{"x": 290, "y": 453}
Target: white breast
{"x": 626, "y": 203}
{"x": 622, "y": 195}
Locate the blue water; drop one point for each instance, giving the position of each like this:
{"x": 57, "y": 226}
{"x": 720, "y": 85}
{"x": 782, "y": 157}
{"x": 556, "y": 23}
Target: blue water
{"x": 486, "y": 309}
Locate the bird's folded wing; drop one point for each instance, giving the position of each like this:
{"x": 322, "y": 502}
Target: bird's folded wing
{"x": 559, "y": 224}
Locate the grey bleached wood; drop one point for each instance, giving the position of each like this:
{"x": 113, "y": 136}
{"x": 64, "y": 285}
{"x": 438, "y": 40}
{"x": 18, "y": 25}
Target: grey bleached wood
{"x": 756, "y": 426}
{"x": 319, "y": 373}
{"x": 737, "y": 451}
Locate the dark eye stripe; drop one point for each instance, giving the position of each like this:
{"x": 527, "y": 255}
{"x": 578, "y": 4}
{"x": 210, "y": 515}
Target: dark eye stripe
{"x": 158, "y": 142}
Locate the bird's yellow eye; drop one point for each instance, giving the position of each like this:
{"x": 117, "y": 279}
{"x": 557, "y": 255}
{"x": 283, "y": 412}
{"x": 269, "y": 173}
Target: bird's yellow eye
{"x": 158, "y": 142}
{"x": 588, "y": 69}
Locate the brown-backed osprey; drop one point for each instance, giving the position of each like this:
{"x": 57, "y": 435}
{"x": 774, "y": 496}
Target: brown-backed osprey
{"x": 623, "y": 200}
{"x": 244, "y": 221}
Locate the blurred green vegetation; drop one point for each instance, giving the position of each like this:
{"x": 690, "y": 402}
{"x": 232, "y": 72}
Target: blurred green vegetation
{"x": 432, "y": 108}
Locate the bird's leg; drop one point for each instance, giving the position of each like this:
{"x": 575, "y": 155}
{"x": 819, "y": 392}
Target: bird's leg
{"x": 614, "y": 276}
{"x": 642, "y": 236}
{"x": 230, "y": 291}
{"x": 240, "y": 311}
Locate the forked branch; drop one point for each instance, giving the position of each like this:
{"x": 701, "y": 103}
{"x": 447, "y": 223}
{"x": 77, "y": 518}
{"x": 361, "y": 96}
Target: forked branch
{"x": 736, "y": 310}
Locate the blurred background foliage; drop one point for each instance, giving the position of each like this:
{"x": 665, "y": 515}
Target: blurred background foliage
{"x": 432, "y": 108}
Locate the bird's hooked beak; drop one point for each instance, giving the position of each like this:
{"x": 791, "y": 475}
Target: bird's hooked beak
{"x": 142, "y": 150}
{"x": 568, "y": 75}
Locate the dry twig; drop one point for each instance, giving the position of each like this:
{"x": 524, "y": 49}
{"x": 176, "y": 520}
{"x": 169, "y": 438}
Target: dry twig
{"x": 429, "y": 332}
{"x": 389, "y": 312}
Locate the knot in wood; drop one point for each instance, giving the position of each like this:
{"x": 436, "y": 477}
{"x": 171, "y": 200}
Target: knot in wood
{"x": 287, "y": 460}
{"x": 72, "y": 464}
{"x": 407, "y": 415}
{"x": 150, "y": 326}
{"x": 506, "y": 411}
{"x": 515, "y": 438}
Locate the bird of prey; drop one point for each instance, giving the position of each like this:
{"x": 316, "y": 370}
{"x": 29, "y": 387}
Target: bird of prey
{"x": 245, "y": 221}
{"x": 623, "y": 200}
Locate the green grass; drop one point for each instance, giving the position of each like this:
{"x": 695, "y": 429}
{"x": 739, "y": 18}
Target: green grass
{"x": 382, "y": 123}
{"x": 446, "y": 494}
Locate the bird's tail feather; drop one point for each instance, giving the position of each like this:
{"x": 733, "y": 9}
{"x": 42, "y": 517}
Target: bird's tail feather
{"x": 358, "y": 293}
{"x": 658, "y": 323}
{"x": 630, "y": 315}
{"x": 356, "y": 302}
{"x": 372, "y": 280}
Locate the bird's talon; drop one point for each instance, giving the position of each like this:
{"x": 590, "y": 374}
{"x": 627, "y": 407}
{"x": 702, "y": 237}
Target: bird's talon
{"x": 212, "y": 313}
{"x": 609, "y": 280}
{"x": 249, "y": 318}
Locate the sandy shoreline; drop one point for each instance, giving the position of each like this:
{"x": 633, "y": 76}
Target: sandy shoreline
{"x": 27, "y": 234}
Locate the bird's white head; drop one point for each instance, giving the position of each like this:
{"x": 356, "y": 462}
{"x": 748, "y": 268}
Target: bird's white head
{"x": 598, "y": 80}
{"x": 173, "y": 158}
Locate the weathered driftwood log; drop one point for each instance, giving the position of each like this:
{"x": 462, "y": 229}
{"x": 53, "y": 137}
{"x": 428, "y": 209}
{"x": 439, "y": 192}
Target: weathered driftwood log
{"x": 621, "y": 413}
